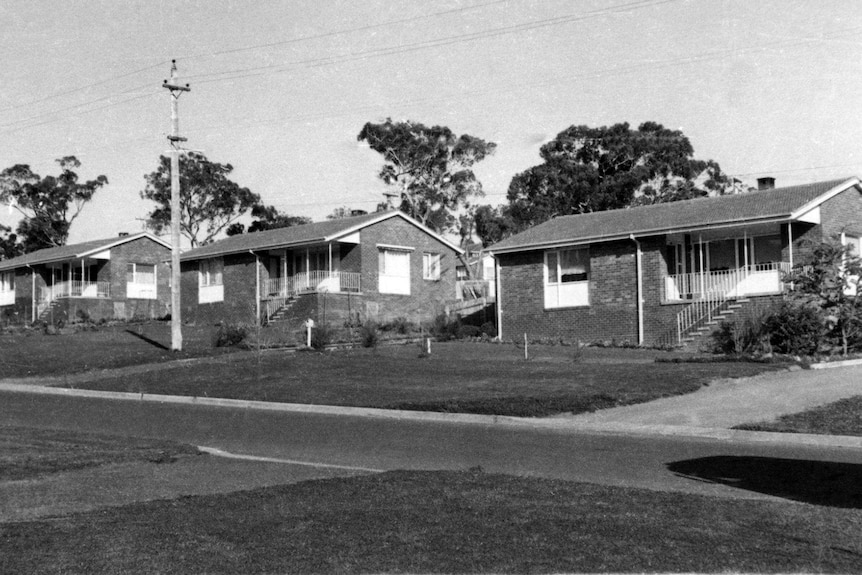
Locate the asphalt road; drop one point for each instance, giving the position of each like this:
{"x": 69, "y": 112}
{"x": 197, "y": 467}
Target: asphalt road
{"x": 726, "y": 468}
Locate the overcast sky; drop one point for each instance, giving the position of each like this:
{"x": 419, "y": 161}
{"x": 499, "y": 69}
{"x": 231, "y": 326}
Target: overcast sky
{"x": 281, "y": 89}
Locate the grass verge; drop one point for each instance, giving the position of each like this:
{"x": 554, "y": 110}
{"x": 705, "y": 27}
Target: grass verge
{"x": 457, "y": 377}
{"x": 440, "y": 522}
{"x": 843, "y": 417}
{"x": 27, "y": 453}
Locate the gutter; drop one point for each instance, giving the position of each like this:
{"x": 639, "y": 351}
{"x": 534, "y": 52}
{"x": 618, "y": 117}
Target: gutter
{"x": 639, "y": 267}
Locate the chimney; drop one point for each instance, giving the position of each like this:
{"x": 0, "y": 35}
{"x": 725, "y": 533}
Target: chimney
{"x": 766, "y": 183}
{"x": 124, "y": 234}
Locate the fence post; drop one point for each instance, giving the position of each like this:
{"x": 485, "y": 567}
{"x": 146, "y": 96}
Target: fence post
{"x": 526, "y": 355}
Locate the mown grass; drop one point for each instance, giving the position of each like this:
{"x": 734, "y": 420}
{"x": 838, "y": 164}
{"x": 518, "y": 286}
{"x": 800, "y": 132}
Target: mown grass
{"x": 34, "y": 353}
{"x": 26, "y": 453}
{"x": 457, "y": 377}
{"x": 843, "y": 417}
{"x": 440, "y": 522}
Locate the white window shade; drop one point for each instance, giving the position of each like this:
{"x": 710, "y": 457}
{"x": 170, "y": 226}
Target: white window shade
{"x": 394, "y": 274}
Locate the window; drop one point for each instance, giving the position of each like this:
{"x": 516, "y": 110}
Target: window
{"x": 211, "y": 277}
{"x": 567, "y": 274}
{"x": 7, "y": 288}
{"x": 431, "y": 266}
{"x": 394, "y": 268}
{"x": 141, "y": 281}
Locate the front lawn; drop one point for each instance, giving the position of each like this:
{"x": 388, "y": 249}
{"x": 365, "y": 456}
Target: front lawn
{"x": 457, "y": 377}
{"x": 440, "y": 522}
{"x": 843, "y": 417}
{"x": 34, "y": 353}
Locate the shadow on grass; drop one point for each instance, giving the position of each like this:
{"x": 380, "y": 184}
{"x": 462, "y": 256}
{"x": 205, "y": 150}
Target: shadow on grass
{"x": 153, "y": 342}
{"x": 818, "y": 482}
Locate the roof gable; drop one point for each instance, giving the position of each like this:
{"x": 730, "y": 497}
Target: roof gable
{"x": 779, "y": 204}
{"x": 317, "y": 232}
{"x": 75, "y": 251}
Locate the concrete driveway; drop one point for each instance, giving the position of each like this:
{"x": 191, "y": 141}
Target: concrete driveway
{"x": 727, "y": 403}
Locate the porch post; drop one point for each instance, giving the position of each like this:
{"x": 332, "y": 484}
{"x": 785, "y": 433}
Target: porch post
{"x": 790, "y": 243}
{"x": 702, "y": 279}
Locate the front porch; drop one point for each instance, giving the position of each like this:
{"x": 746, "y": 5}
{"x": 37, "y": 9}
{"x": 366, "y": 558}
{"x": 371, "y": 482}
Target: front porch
{"x": 310, "y": 282}
{"x": 748, "y": 280}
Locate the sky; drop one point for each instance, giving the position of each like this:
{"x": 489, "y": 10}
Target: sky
{"x": 280, "y": 89}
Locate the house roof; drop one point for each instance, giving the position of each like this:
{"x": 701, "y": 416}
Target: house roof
{"x": 74, "y": 251}
{"x": 778, "y": 204}
{"x": 307, "y": 234}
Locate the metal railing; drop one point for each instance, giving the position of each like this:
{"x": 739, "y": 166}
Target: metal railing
{"x": 746, "y": 280}
{"x": 75, "y": 288}
{"x": 709, "y": 292}
{"x": 310, "y": 282}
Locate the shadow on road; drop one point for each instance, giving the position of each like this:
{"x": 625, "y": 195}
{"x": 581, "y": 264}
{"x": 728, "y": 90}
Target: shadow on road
{"x": 818, "y": 482}
{"x": 148, "y": 340}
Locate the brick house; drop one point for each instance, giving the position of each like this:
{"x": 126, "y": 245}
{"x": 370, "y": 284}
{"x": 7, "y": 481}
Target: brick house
{"x": 666, "y": 273}
{"x": 121, "y": 277}
{"x": 375, "y": 266}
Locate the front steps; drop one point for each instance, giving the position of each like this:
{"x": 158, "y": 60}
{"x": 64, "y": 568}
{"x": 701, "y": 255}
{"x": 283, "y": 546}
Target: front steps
{"x": 728, "y": 309}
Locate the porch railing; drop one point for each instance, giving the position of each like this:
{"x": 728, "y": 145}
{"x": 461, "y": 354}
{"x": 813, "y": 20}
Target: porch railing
{"x": 310, "y": 282}
{"x": 709, "y": 291}
{"x": 747, "y": 280}
{"x": 76, "y": 288}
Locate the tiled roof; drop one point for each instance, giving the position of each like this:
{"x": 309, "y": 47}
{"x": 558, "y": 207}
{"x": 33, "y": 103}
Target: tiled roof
{"x": 700, "y": 213}
{"x": 72, "y": 251}
{"x": 317, "y": 232}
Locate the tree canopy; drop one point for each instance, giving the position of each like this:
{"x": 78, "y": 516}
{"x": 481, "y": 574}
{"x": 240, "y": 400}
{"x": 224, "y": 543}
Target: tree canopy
{"x": 209, "y": 201}
{"x": 9, "y": 246}
{"x": 49, "y": 205}
{"x": 592, "y": 169}
{"x": 429, "y": 168}
{"x": 267, "y": 218}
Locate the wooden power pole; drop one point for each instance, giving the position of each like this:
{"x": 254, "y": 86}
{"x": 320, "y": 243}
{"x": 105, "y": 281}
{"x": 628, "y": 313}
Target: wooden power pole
{"x": 175, "y": 139}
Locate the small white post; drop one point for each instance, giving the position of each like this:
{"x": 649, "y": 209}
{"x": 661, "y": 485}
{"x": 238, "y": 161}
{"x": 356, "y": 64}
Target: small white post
{"x": 309, "y": 324}
{"x": 526, "y": 355}
{"x": 428, "y": 345}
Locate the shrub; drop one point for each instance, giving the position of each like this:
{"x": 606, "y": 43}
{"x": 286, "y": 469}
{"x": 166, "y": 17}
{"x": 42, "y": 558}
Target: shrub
{"x": 794, "y": 329}
{"x": 489, "y": 329}
{"x": 735, "y": 337}
{"x": 400, "y": 325}
{"x": 465, "y": 331}
{"x": 229, "y": 334}
{"x": 445, "y": 329}
{"x": 369, "y": 335}
{"x": 321, "y": 336}
{"x": 82, "y": 315}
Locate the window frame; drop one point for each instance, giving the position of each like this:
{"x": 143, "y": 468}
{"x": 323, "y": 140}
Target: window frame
{"x": 211, "y": 280}
{"x": 431, "y": 266}
{"x": 388, "y": 283}
{"x": 562, "y": 292}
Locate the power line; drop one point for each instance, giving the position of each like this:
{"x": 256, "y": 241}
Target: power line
{"x": 341, "y": 32}
{"x": 426, "y": 44}
{"x": 80, "y": 88}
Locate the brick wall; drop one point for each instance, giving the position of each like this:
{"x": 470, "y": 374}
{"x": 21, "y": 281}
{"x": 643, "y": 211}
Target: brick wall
{"x": 141, "y": 251}
{"x": 611, "y": 314}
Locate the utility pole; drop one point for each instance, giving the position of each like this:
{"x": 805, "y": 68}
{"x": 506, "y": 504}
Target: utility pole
{"x": 176, "y": 320}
